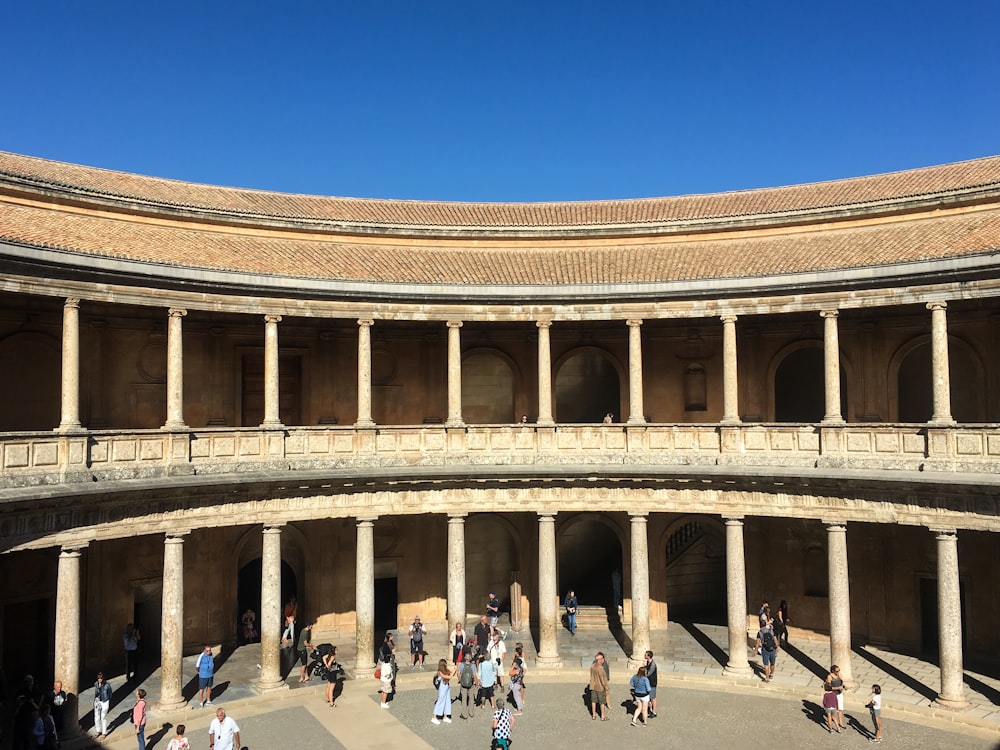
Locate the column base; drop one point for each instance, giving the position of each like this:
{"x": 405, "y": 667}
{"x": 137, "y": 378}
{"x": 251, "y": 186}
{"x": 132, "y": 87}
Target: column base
{"x": 454, "y": 423}
{"x": 173, "y": 426}
{"x": 956, "y": 704}
{"x": 548, "y": 662}
{"x": 364, "y": 673}
{"x": 269, "y": 687}
{"x": 636, "y": 420}
{"x": 272, "y": 425}
{"x": 70, "y": 428}
{"x": 737, "y": 670}
{"x": 833, "y": 422}
{"x": 174, "y": 705}
{"x": 365, "y": 424}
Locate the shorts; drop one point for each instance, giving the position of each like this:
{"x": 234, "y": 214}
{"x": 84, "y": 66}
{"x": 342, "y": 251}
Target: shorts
{"x": 840, "y": 701}
{"x": 652, "y": 693}
{"x": 829, "y": 710}
{"x": 642, "y": 698}
{"x": 386, "y": 686}
{"x": 876, "y": 713}
{"x": 486, "y": 692}
{"x": 303, "y": 657}
{"x": 494, "y": 619}
{"x": 598, "y": 697}
{"x": 769, "y": 657}
{"x": 205, "y": 682}
{"x": 416, "y": 647}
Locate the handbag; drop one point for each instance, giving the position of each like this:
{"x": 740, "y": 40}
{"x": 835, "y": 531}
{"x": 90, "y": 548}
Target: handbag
{"x": 378, "y": 673}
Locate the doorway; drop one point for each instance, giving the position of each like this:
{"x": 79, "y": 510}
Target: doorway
{"x": 248, "y": 594}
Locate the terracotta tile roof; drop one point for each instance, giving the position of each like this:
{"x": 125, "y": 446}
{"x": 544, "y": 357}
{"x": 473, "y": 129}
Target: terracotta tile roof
{"x": 324, "y": 256}
{"x": 150, "y": 193}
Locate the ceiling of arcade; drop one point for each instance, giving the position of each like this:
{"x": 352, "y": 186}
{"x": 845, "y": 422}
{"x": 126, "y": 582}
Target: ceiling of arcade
{"x": 38, "y": 517}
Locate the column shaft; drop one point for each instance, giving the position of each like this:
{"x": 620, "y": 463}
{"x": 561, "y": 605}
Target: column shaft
{"x": 172, "y": 623}
{"x": 454, "y": 373}
{"x": 636, "y": 410}
{"x": 272, "y": 388}
{"x": 840, "y": 599}
{"x": 365, "y": 373}
{"x": 70, "y": 417}
{"x": 548, "y": 597}
{"x": 544, "y": 374}
{"x": 364, "y": 581}
{"x": 457, "y": 611}
{"x": 736, "y": 599}
{"x": 270, "y": 610}
{"x": 831, "y": 367}
{"x": 640, "y": 589}
{"x": 175, "y": 368}
{"x": 730, "y": 381}
{"x": 949, "y": 622}
{"x": 939, "y": 363}
{"x": 67, "y": 645}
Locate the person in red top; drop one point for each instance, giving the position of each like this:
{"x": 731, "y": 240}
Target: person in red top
{"x": 139, "y": 717}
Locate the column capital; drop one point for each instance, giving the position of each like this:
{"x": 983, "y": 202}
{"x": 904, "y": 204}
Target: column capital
{"x": 733, "y": 520}
{"x": 550, "y": 514}
{"x": 943, "y": 532}
{"x": 633, "y": 322}
{"x": 832, "y": 313}
{"x": 638, "y": 516}
{"x": 454, "y": 323}
{"x": 175, "y": 535}
{"x": 832, "y": 524}
{"x": 73, "y": 549}
{"x": 273, "y": 528}
{"x": 366, "y": 322}
{"x": 938, "y": 304}
{"x": 729, "y": 318}
{"x": 176, "y": 312}
{"x": 272, "y": 318}
{"x": 457, "y": 517}
{"x": 543, "y": 323}
{"x": 366, "y": 520}
{"x": 73, "y": 302}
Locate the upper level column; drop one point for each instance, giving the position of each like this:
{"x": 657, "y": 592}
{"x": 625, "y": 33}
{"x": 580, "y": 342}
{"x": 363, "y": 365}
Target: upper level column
{"x": 831, "y": 367}
{"x": 544, "y": 374}
{"x": 272, "y": 417}
{"x": 70, "y": 418}
{"x": 67, "y": 645}
{"x": 730, "y": 383}
{"x": 941, "y": 377}
{"x": 636, "y": 412}
{"x": 175, "y": 369}
{"x": 365, "y": 373}
{"x": 454, "y": 374}
{"x": 949, "y": 621}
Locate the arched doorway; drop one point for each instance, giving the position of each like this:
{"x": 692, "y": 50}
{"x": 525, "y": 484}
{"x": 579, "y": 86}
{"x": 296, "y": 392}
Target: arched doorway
{"x": 29, "y": 382}
{"x": 915, "y": 389}
{"x": 800, "y": 386}
{"x": 491, "y": 555}
{"x": 248, "y": 593}
{"x": 587, "y": 386}
{"x": 487, "y": 388}
{"x": 590, "y": 551}
{"x": 695, "y": 555}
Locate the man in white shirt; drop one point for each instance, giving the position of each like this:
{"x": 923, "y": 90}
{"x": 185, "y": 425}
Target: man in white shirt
{"x": 497, "y": 655}
{"x": 223, "y": 734}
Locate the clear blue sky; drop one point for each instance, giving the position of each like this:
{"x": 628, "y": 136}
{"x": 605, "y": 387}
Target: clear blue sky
{"x": 502, "y": 101}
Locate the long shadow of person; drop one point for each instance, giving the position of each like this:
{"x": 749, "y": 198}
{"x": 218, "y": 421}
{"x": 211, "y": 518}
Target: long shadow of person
{"x": 815, "y": 712}
{"x": 158, "y": 735}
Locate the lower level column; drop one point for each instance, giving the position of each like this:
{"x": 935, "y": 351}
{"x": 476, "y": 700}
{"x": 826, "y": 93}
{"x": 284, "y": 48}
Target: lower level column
{"x": 736, "y": 599}
{"x": 364, "y": 603}
{"x": 67, "y": 645}
{"x": 949, "y": 622}
{"x": 840, "y": 600}
{"x": 172, "y": 619}
{"x": 270, "y": 611}
{"x": 548, "y": 596}
{"x": 456, "y": 569}
{"x": 640, "y": 590}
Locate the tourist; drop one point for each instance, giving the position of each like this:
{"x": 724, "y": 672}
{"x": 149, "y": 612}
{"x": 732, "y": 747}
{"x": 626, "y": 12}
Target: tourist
{"x": 782, "y": 616}
{"x": 517, "y": 684}
{"x": 498, "y": 655}
{"x": 486, "y": 678}
{"x": 493, "y": 610}
{"x": 179, "y": 742}
{"x": 466, "y": 687}
{"x": 387, "y": 668}
{"x": 102, "y": 705}
{"x": 653, "y": 677}
{"x": 503, "y": 723}
{"x": 223, "y": 733}
{"x": 303, "y": 645}
{"x": 570, "y": 604}
{"x": 837, "y": 685}
{"x": 457, "y": 641}
{"x": 875, "y": 706}
{"x": 830, "y": 707}
{"x": 131, "y": 638}
{"x": 640, "y": 689}
{"x": 139, "y": 717}
{"x": 598, "y": 688}
{"x": 442, "y": 680}
{"x": 767, "y": 646}
{"x": 205, "y": 664}
{"x": 333, "y": 672}
{"x": 249, "y": 622}
{"x": 417, "y": 631}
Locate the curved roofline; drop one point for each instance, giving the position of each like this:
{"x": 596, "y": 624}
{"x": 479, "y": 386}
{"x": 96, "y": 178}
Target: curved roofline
{"x": 922, "y": 189}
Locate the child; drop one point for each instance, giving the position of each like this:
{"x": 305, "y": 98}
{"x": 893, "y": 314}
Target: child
{"x": 875, "y": 706}
{"x": 829, "y": 706}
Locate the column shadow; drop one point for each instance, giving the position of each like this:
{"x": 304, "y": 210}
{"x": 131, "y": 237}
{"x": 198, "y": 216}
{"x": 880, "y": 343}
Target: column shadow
{"x": 711, "y": 647}
{"x": 806, "y": 661}
{"x": 909, "y": 680}
{"x": 987, "y": 691}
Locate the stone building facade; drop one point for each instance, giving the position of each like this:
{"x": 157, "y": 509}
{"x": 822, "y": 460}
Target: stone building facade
{"x": 213, "y": 399}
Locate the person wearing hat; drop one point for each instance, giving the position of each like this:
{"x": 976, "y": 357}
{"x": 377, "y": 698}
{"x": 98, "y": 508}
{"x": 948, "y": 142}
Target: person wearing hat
{"x": 493, "y": 609}
{"x": 417, "y": 632}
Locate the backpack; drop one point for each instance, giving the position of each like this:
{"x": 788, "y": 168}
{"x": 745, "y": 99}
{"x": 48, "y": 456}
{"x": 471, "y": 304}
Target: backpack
{"x": 468, "y": 677}
{"x": 417, "y": 634}
{"x": 436, "y": 681}
{"x": 767, "y": 641}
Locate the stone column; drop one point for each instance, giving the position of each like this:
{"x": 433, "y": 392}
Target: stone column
{"x": 840, "y": 599}
{"x": 831, "y": 367}
{"x": 365, "y": 373}
{"x": 544, "y": 374}
{"x": 270, "y": 610}
{"x": 736, "y": 599}
{"x": 939, "y": 363}
{"x": 730, "y": 382}
{"x": 548, "y": 596}
{"x": 175, "y": 369}
{"x": 636, "y": 411}
{"x": 272, "y": 417}
{"x": 172, "y": 623}
{"x": 67, "y": 645}
{"x": 69, "y": 420}
{"x": 949, "y": 622}
{"x": 640, "y": 589}
{"x": 457, "y": 611}
{"x": 364, "y": 581}
{"x": 454, "y": 374}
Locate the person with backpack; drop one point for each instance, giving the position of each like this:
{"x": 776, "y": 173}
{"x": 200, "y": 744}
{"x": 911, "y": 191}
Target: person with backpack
{"x": 467, "y": 688}
{"x": 767, "y": 646}
{"x": 417, "y": 632}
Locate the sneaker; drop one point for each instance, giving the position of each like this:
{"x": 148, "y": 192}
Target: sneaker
{"x": 202, "y": 704}
{"x": 385, "y": 705}
{"x": 447, "y": 720}
{"x": 435, "y": 720}
{"x": 209, "y": 703}
{"x": 412, "y": 666}
{"x": 652, "y": 714}
{"x": 421, "y": 667}
{"x": 635, "y": 723}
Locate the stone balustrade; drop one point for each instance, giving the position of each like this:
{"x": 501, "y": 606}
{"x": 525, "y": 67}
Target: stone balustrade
{"x": 44, "y": 458}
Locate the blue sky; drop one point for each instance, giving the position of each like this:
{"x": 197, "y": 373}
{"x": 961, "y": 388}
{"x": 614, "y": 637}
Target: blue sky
{"x": 512, "y": 101}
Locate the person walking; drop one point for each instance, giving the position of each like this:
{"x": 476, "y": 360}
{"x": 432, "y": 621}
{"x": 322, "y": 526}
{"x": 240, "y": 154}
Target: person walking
{"x": 767, "y": 646}
{"x": 102, "y": 704}
{"x": 131, "y": 638}
{"x": 223, "y": 732}
{"x": 570, "y": 604}
{"x": 303, "y": 645}
{"x": 598, "y": 688}
{"x": 466, "y": 687}
{"x": 640, "y": 689}
{"x": 875, "y": 706}
{"x": 139, "y": 717}
{"x": 205, "y": 664}
{"x": 442, "y": 708}
{"x": 785, "y": 619}
{"x": 503, "y": 723}
{"x": 517, "y": 684}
